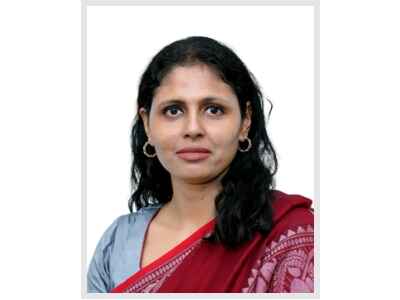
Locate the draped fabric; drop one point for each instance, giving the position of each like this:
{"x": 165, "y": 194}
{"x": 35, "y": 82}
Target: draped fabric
{"x": 280, "y": 262}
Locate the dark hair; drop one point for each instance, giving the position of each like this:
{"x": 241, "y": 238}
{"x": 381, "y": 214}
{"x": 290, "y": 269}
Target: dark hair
{"x": 244, "y": 204}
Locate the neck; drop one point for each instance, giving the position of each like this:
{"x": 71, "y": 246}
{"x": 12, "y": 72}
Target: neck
{"x": 192, "y": 205}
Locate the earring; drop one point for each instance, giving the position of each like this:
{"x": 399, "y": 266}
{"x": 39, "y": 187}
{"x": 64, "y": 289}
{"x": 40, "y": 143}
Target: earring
{"x": 248, "y": 146}
{"x": 145, "y": 151}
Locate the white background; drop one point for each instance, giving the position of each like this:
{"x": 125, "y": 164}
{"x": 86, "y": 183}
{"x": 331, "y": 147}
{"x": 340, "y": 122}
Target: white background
{"x": 275, "y": 42}
{"x": 40, "y": 149}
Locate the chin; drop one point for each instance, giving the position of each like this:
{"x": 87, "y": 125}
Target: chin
{"x": 196, "y": 178}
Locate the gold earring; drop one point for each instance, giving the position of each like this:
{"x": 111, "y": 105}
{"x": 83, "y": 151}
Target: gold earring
{"x": 248, "y": 146}
{"x": 145, "y": 151}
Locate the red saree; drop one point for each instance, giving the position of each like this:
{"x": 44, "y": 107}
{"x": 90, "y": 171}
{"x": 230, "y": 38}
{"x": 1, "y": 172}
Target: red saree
{"x": 282, "y": 261}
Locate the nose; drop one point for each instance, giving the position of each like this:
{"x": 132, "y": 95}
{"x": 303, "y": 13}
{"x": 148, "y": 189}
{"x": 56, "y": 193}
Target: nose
{"x": 193, "y": 126}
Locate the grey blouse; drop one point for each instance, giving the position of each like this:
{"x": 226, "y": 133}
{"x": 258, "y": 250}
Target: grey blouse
{"x": 117, "y": 255}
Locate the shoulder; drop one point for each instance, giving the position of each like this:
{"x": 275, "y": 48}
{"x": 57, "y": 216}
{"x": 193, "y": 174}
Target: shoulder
{"x": 292, "y": 209}
{"x": 287, "y": 260}
{"x": 292, "y": 249}
{"x": 124, "y": 224}
{"x": 291, "y": 239}
{"x": 100, "y": 277}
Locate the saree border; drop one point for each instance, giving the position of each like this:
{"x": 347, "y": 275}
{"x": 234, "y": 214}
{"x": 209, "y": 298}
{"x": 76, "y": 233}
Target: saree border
{"x": 185, "y": 247}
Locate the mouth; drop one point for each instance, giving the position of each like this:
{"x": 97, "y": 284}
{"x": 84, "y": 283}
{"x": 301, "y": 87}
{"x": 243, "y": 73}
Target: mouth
{"x": 193, "y": 154}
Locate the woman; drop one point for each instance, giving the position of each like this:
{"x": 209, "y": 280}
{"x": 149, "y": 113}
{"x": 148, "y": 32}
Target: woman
{"x": 207, "y": 218}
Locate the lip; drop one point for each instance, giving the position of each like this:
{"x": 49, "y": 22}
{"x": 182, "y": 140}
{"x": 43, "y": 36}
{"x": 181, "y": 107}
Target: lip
{"x": 193, "y": 150}
{"x": 193, "y": 154}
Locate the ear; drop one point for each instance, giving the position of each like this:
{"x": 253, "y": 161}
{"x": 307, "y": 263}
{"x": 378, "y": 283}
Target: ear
{"x": 246, "y": 123}
{"x": 145, "y": 118}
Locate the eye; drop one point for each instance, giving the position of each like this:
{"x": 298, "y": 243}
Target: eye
{"x": 215, "y": 110}
{"x": 172, "y": 110}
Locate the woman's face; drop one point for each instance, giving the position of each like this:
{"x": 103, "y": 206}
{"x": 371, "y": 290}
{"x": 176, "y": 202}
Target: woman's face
{"x": 194, "y": 108}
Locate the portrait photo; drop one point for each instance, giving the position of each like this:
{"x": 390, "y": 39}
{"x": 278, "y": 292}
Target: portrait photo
{"x": 200, "y": 154}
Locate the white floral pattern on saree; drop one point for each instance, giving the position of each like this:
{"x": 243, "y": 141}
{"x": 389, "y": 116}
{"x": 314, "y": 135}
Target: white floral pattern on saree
{"x": 287, "y": 265}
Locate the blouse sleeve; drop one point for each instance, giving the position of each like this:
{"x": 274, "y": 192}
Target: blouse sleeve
{"x": 98, "y": 276}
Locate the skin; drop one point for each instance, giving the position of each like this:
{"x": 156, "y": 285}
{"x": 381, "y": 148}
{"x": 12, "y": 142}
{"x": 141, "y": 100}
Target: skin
{"x": 193, "y": 122}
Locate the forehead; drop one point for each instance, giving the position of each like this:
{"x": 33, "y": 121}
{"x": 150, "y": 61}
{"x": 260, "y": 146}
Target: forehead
{"x": 194, "y": 81}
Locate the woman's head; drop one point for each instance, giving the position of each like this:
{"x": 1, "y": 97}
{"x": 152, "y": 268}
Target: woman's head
{"x": 193, "y": 108}
{"x": 196, "y": 92}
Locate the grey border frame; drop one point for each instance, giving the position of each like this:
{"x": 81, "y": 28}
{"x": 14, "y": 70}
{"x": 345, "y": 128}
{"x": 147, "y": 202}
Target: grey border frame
{"x": 316, "y": 6}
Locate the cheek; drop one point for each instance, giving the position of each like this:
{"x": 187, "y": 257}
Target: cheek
{"x": 166, "y": 142}
{"x": 226, "y": 133}
{"x": 226, "y": 142}
{"x": 164, "y": 137}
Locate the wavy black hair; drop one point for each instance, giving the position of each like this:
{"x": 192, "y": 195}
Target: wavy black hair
{"x": 244, "y": 204}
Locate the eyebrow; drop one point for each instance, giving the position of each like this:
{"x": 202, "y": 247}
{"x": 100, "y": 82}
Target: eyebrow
{"x": 206, "y": 100}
